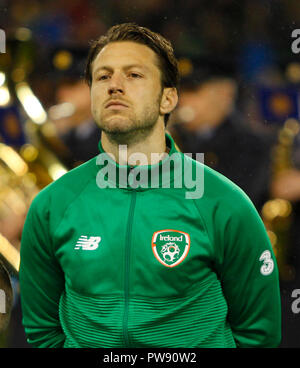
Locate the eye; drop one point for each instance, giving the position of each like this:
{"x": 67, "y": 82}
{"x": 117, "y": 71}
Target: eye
{"x": 134, "y": 75}
{"x": 102, "y": 77}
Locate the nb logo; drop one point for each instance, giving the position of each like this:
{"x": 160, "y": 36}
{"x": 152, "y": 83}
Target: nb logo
{"x": 86, "y": 243}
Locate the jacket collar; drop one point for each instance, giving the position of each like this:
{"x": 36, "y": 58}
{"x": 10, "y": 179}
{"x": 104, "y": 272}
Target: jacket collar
{"x": 139, "y": 177}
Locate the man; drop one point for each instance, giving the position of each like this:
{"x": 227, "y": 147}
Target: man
{"x": 108, "y": 259}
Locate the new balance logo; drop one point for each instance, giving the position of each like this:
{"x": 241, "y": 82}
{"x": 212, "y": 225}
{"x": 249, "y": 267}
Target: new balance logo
{"x": 86, "y": 243}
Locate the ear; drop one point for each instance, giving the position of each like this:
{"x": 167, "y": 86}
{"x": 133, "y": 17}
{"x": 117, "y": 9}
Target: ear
{"x": 169, "y": 100}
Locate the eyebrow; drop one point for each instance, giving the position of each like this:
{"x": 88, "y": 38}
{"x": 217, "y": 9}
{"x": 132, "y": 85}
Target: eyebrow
{"x": 105, "y": 67}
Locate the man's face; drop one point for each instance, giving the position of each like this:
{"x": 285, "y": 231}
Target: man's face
{"x": 126, "y": 88}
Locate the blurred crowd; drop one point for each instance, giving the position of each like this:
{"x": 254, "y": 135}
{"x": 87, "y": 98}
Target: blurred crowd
{"x": 238, "y": 104}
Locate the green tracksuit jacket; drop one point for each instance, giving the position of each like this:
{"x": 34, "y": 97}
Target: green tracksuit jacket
{"x": 109, "y": 264}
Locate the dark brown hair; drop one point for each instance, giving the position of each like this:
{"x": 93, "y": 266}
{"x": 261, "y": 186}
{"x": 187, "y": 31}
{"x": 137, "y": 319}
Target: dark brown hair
{"x": 167, "y": 61}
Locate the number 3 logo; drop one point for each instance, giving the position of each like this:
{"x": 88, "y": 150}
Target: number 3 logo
{"x": 268, "y": 265}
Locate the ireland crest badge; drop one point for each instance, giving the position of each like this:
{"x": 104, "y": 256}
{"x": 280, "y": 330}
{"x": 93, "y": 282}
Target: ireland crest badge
{"x": 170, "y": 247}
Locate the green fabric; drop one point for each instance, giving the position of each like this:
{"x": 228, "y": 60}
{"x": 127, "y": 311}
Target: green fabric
{"x": 120, "y": 293}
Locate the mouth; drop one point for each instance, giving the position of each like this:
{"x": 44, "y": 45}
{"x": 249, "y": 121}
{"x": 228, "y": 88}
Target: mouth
{"x": 115, "y": 105}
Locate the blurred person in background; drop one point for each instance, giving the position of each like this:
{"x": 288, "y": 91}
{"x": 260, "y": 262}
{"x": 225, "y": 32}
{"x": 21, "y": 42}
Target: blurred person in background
{"x": 207, "y": 121}
{"x": 72, "y": 114}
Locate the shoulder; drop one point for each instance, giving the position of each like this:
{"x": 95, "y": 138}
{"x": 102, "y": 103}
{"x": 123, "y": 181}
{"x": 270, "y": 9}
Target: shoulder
{"x": 61, "y": 192}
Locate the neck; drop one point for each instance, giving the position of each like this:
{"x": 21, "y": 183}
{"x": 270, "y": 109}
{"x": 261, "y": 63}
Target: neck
{"x": 147, "y": 147}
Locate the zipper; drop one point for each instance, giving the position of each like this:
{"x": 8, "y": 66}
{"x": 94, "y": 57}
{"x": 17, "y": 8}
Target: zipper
{"x": 127, "y": 267}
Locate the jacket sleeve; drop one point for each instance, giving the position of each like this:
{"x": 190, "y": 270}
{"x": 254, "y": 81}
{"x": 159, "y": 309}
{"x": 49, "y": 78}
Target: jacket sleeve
{"x": 41, "y": 281}
{"x": 249, "y": 275}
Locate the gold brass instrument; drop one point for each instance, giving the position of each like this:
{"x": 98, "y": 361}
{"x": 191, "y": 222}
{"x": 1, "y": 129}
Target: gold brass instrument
{"x": 18, "y": 187}
{"x": 24, "y": 171}
{"x": 277, "y": 213}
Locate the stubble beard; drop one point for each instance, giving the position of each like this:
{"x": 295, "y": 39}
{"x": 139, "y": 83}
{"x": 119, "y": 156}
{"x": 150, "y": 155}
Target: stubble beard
{"x": 131, "y": 130}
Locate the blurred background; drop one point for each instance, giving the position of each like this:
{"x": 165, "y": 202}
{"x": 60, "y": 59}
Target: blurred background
{"x": 239, "y": 105}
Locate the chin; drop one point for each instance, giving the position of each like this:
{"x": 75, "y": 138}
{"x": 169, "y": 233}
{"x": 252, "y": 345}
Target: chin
{"x": 118, "y": 125}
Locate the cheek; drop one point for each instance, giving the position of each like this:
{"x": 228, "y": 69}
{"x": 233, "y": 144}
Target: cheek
{"x": 96, "y": 98}
{"x": 151, "y": 98}
{"x": 95, "y": 106}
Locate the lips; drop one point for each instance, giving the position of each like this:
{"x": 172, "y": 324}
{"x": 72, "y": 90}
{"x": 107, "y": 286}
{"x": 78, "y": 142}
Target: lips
{"x": 116, "y": 104}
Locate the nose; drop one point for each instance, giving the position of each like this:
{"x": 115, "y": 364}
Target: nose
{"x": 116, "y": 84}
